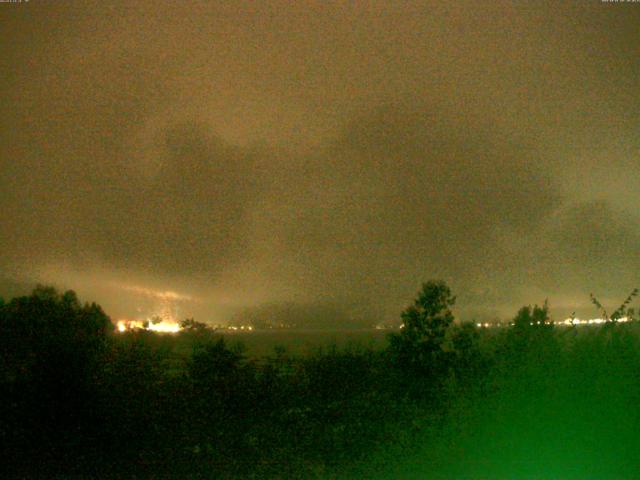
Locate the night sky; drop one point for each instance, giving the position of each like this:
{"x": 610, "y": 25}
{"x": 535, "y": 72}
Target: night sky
{"x": 327, "y": 154}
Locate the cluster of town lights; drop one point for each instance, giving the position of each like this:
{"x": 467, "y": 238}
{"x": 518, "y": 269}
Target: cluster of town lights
{"x": 165, "y": 326}
{"x": 160, "y": 327}
{"x": 173, "y": 327}
{"x": 569, "y": 322}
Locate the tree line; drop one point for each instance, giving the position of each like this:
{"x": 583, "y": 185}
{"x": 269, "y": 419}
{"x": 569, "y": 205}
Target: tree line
{"x": 78, "y": 399}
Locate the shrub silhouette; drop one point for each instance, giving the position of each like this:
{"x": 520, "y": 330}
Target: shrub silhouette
{"x": 622, "y": 310}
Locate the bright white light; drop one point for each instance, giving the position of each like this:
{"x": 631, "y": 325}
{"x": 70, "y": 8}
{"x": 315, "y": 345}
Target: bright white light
{"x": 164, "y": 327}
{"x": 160, "y": 327}
{"x": 591, "y": 321}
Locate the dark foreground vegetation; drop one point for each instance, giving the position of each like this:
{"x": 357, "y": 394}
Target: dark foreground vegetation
{"x": 441, "y": 400}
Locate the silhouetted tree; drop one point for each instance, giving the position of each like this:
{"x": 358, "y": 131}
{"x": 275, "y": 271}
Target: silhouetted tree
{"x": 419, "y": 345}
{"x": 190, "y": 325}
{"x": 223, "y": 387}
{"x": 52, "y": 351}
{"x": 469, "y": 360}
{"x": 36, "y": 328}
{"x": 536, "y": 317}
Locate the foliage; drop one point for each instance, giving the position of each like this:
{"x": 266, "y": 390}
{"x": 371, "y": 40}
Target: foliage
{"x": 52, "y": 349}
{"x": 469, "y": 361}
{"x": 190, "y": 325}
{"x": 622, "y": 310}
{"x": 48, "y": 326}
{"x": 444, "y": 400}
{"x": 536, "y": 317}
{"x": 420, "y": 344}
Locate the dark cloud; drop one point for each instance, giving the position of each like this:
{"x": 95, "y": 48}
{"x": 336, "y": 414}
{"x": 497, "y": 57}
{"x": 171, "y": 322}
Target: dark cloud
{"x": 599, "y": 248}
{"x": 186, "y": 216}
{"x": 406, "y": 194}
{"x": 321, "y": 153}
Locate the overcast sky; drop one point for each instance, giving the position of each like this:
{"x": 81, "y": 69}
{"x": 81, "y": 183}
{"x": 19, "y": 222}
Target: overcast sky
{"x": 322, "y": 153}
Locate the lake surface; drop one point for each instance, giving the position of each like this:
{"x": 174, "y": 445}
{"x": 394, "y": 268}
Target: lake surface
{"x": 301, "y": 342}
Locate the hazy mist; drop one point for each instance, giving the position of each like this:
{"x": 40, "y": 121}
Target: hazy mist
{"x": 321, "y": 153}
